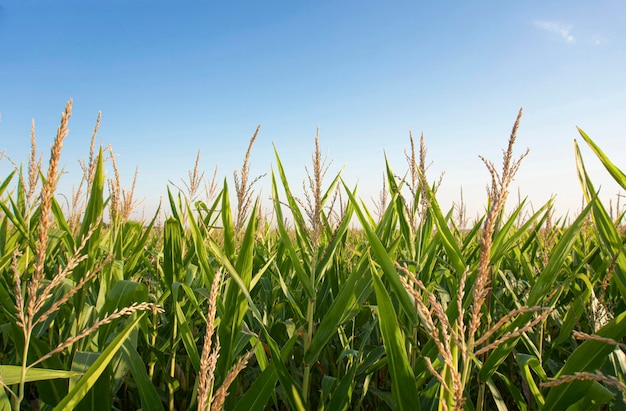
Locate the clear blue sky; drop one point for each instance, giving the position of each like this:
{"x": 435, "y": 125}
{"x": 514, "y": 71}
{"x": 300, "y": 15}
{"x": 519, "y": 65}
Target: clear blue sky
{"x": 175, "y": 77}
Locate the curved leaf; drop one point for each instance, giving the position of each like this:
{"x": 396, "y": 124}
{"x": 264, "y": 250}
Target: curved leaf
{"x": 86, "y": 382}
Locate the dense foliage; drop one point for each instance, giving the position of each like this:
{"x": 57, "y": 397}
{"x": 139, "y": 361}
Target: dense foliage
{"x": 414, "y": 309}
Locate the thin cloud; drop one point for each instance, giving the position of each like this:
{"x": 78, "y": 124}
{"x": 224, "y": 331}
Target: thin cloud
{"x": 562, "y": 30}
{"x": 599, "y": 40}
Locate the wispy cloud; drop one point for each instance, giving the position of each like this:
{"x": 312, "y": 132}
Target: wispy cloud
{"x": 599, "y": 40}
{"x": 562, "y": 30}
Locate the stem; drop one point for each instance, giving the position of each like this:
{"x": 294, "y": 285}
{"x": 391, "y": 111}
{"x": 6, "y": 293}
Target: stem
{"x": 153, "y": 343}
{"x": 307, "y": 343}
{"x": 446, "y": 396}
{"x": 480, "y": 405}
{"x": 173, "y": 365}
{"x": 22, "y": 385}
{"x": 27, "y": 331}
{"x": 542, "y": 330}
{"x": 310, "y": 311}
{"x": 454, "y": 374}
{"x": 465, "y": 376}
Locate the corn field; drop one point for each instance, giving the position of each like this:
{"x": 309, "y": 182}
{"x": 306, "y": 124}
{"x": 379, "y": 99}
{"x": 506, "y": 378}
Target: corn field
{"x": 331, "y": 305}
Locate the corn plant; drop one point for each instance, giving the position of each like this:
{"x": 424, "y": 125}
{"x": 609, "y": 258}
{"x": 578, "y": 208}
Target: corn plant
{"x": 217, "y": 307}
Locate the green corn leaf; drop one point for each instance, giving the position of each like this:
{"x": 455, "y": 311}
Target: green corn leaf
{"x": 121, "y": 295}
{"x": 405, "y": 227}
{"x": 616, "y": 173}
{"x": 559, "y": 253}
{"x": 294, "y": 207}
{"x": 611, "y": 239}
{"x": 209, "y": 215}
{"x": 574, "y": 311}
{"x": 147, "y": 391}
{"x": 496, "y": 396}
{"x": 473, "y": 233}
{"x": 21, "y": 193}
{"x": 190, "y": 293}
{"x": 403, "y": 386}
{"x": 303, "y": 277}
{"x": 503, "y": 242}
{"x": 94, "y": 211}
{"x": 385, "y": 262}
{"x": 596, "y": 397}
{"x": 330, "y": 191}
{"x": 172, "y": 252}
{"x": 353, "y": 293}
{"x": 342, "y": 395}
{"x": 334, "y": 245}
{"x": 245, "y": 255}
{"x": 18, "y": 220}
{"x": 235, "y": 303}
{"x": 50, "y": 391}
{"x": 589, "y": 356}
{"x": 223, "y": 260}
{"x": 100, "y": 394}
{"x": 7, "y": 181}
{"x": 87, "y": 381}
{"x": 184, "y": 331}
{"x": 62, "y": 224}
{"x": 11, "y": 374}
{"x": 6, "y": 297}
{"x": 200, "y": 250}
{"x": 3, "y": 235}
{"x": 525, "y": 363}
{"x": 176, "y": 213}
{"x": 503, "y": 231}
{"x": 259, "y": 393}
{"x": 453, "y": 251}
{"x": 5, "y": 404}
{"x": 137, "y": 247}
{"x": 327, "y": 385}
{"x": 289, "y": 385}
{"x": 606, "y": 231}
{"x": 287, "y": 293}
{"x": 228, "y": 226}
{"x": 514, "y": 391}
{"x": 540, "y": 289}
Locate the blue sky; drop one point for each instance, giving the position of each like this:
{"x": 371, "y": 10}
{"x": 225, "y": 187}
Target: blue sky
{"x": 172, "y": 78}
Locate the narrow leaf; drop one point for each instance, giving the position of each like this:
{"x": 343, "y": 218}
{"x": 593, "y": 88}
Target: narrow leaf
{"x": 82, "y": 387}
